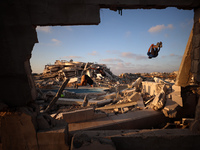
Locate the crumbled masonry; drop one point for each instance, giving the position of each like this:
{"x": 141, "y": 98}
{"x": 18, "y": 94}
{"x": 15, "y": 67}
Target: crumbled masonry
{"x": 126, "y": 102}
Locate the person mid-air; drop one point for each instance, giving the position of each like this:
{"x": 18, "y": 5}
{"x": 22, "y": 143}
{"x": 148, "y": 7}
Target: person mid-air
{"x": 154, "y": 49}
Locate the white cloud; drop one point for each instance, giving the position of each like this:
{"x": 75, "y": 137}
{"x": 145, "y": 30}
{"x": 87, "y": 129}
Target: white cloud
{"x": 113, "y": 51}
{"x": 128, "y": 67}
{"x": 112, "y": 60}
{"x": 46, "y": 29}
{"x": 159, "y": 28}
{"x": 93, "y": 53}
{"x": 132, "y": 56}
{"x": 55, "y": 41}
{"x": 170, "y": 26}
{"x": 173, "y": 55}
{"x": 70, "y": 57}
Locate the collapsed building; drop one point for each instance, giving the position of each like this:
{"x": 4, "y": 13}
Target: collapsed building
{"x": 24, "y": 126}
{"x": 67, "y": 69}
{"x": 61, "y": 70}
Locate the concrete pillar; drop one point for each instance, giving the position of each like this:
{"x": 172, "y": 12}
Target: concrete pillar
{"x": 195, "y": 63}
{"x": 184, "y": 75}
{"x": 18, "y": 37}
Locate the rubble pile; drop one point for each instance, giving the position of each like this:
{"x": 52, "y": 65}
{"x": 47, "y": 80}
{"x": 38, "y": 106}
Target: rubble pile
{"x": 119, "y": 94}
{"x": 125, "y": 102}
{"x": 126, "y": 89}
{"x": 54, "y": 75}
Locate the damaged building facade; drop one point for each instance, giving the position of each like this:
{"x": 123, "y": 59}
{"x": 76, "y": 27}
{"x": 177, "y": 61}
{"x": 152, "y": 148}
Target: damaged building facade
{"x": 23, "y": 126}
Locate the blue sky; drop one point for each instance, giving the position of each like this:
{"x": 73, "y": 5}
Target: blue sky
{"x": 120, "y": 42}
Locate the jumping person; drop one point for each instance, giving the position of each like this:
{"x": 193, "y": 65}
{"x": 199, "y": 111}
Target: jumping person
{"x": 84, "y": 80}
{"x": 154, "y": 49}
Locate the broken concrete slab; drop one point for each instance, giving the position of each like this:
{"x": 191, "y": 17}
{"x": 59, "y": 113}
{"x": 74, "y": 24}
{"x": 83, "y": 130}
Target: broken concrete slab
{"x": 142, "y": 139}
{"x": 136, "y": 83}
{"x": 132, "y": 120}
{"x": 116, "y": 106}
{"x": 134, "y": 97}
{"x": 104, "y": 102}
{"x": 82, "y": 141}
{"x": 176, "y": 95}
{"x": 81, "y": 115}
{"x": 160, "y": 99}
{"x": 140, "y": 103}
{"x": 170, "y": 109}
{"x": 108, "y": 96}
{"x": 53, "y": 139}
{"x": 151, "y": 88}
{"x": 17, "y": 131}
{"x": 71, "y": 101}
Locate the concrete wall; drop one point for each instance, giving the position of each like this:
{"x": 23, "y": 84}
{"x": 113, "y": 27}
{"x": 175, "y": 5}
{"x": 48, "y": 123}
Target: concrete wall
{"x": 18, "y": 35}
{"x": 195, "y": 67}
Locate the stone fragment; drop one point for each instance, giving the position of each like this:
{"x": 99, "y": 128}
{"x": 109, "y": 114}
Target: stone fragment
{"x": 136, "y": 83}
{"x": 42, "y": 123}
{"x": 56, "y": 138}
{"x": 134, "y": 97}
{"x": 124, "y": 110}
{"x": 81, "y": 115}
{"x": 160, "y": 99}
{"x": 17, "y": 131}
{"x": 81, "y": 141}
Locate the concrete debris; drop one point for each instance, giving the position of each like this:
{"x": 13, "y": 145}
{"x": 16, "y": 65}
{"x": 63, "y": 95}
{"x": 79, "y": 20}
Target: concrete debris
{"x": 85, "y": 101}
{"x": 127, "y": 101}
{"x": 85, "y": 141}
{"x": 126, "y": 92}
{"x": 116, "y": 106}
{"x": 86, "y": 114}
{"x": 160, "y": 99}
{"x": 139, "y": 139}
{"x": 136, "y": 83}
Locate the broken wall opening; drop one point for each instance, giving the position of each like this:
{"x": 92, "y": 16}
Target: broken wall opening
{"x": 118, "y": 41}
{"x": 31, "y": 36}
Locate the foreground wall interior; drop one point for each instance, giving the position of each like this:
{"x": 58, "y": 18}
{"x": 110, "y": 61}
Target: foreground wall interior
{"x": 19, "y": 19}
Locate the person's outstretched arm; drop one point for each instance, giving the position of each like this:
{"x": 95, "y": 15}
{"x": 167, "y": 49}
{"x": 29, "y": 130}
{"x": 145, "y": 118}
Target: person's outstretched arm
{"x": 150, "y": 47}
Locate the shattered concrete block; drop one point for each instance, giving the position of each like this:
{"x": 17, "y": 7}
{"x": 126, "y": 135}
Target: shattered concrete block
{"x": 17, "y": 131}
{"x": 85, "y": 101}
{"x": 151, "y": 88}
{"x": 81, "y": 115}
{"x": 134, "y": 97}
{"x": 53, "y": 139}
{"x": 170, "y": 109}
{"x": 186, "y": 121}
{"x": 104, "y": 102}
{"x": 140, "y": 103}
{"x": 116, "y": 110}
{"x": 140, "y": 119}
{"x": 109, "y": 96}
{"x": 124, "y": 110}
{"x": 42, "y": 123}
{"x": 116, "y": 106}
{"x": 136, "y": 83}
{"x": 160, "y": 99}
{"x": 82, "y": 141}
{"x": 71, "y": 101}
